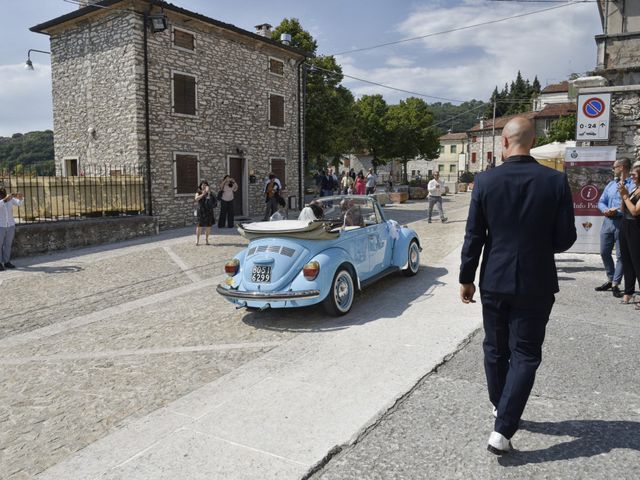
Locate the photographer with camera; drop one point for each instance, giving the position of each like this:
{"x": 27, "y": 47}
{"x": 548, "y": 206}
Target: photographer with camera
{"x": 206, "y": 203}
{"x": 227, "y": 187}
{"x": 7, "y": 225}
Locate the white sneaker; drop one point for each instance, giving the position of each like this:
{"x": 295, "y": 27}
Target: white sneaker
{"x": 495, "y": 412}
{"x": 498, "y": 444}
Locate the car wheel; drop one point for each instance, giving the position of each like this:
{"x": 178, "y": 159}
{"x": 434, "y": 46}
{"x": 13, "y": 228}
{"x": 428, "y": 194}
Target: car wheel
{"x": 413, "y": 259}
{"x": 340, "y": 297}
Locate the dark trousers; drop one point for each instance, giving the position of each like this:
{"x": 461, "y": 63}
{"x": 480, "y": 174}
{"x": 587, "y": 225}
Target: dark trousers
{"x": 226, "y": 214}
{"x": 514, "y": 329}
{"x": 630, "y": 253}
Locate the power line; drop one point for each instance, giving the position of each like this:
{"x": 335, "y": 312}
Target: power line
{"x": 466, "y": 27}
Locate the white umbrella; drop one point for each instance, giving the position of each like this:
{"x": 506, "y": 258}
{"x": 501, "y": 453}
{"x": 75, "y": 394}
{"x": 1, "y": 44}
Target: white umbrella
{"x": 552, "y": 151}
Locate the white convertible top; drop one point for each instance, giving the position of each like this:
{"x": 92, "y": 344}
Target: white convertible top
{"x": 287, "y": 228}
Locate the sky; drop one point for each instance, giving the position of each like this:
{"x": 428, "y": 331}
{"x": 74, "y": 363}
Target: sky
{"x": 456, "y": 66}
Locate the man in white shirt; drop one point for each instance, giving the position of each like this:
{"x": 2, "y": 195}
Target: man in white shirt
{"x": 435, "y": 188}
{"x": 371, "y": 182}
{"x": 7, "y": 226}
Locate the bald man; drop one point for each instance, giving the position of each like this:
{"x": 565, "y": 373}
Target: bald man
{"x": 521, "y": 213}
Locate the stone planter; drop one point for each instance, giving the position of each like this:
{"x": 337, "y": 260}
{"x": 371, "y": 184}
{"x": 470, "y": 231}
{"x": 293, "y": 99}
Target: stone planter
{"x": 398, "y": 197}
{"x": 382, "y": 197}
{"x": 462, "y": 187}
{"x": 417, "y": 193}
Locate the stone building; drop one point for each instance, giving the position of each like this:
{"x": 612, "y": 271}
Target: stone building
{"x": 618, "y": 72}
{"x": 144, "y": 82}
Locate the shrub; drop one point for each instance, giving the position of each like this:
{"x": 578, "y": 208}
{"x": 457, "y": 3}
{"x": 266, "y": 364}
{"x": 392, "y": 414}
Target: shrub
{"x": 466, "y": 177}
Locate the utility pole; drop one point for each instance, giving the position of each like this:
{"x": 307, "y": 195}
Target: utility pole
{"x": 493, "y": 136}
{"x": 482, "y": 145}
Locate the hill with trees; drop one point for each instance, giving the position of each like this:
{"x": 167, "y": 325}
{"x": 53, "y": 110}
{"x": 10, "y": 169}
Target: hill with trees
{"x": 24, "y": 150}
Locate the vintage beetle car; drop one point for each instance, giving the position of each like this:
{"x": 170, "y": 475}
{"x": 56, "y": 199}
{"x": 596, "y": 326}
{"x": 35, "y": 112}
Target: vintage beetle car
{"x": 293, "y": 263}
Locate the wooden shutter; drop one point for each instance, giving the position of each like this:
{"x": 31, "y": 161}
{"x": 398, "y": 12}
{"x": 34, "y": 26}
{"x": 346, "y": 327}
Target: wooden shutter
{"x": 278, "y": 167}
{"x": 183, "y": 39}
{"x": 184, "y": 94}
{"x": 186, "y": 173}
{"x": 276, "y": 66}
{"x": 276, "y": 110}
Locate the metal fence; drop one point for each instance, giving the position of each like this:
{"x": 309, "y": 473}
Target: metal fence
{"x": 96, "y": 191}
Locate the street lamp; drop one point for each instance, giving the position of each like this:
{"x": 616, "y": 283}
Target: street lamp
{"x": 28, "y": 64}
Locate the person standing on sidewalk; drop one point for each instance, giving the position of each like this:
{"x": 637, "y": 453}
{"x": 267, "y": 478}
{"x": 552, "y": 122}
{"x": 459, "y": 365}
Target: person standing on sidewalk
{"x": 521, "y": 213}
{"x": 609, "y": 204}
{"x": 372, "y": 178}
{"x": 206, "y": 203}
{"x": 227, "y": 188}
{"x": 7, "y": 226}
{"x": 630, "y": 235}
{"x": 271, "y": 194}
{"x": 435, "y": 189}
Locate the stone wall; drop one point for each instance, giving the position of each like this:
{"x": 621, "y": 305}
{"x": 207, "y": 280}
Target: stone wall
{"x": 233, "y": 87}
{"x": 92, "y": 69}
{"x": 39, "y": 238}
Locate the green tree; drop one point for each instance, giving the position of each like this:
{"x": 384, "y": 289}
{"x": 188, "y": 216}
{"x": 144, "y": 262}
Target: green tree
{"x": 329, "y": 113}
{"x": 32, "y": 149}
{"x": 300, "y": 38}
{"x": 561, "y": 130}
{"x": 410, "y": 132}
{"x": 370, "y": 129}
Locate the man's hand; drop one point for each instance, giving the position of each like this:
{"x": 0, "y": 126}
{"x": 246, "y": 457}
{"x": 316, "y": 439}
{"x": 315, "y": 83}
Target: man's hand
{"x": 467, "y": 291}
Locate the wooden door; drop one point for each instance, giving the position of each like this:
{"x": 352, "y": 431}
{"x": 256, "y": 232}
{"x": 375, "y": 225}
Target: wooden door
{"x": 236, "y": 170}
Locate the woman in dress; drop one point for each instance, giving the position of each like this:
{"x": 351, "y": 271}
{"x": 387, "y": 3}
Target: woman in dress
{"x": 630, "y": 235}
{"x": 206, "y": 202}
{"x": 360, "y": 184}
{"x": 227, "y": 187}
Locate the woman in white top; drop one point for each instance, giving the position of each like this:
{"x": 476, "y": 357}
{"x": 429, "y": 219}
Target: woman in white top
{"x": 227, "y": 188}
{"x": 7, "y": 225}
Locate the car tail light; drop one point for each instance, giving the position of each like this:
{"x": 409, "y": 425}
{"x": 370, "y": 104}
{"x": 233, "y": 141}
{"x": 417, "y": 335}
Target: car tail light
{"x": 311, "y": 270}
{"x": 231, "y": 267}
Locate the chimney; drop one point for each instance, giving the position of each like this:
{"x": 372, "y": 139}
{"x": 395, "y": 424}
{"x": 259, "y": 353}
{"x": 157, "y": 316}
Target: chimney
{"x": 263, "y": 29}
{"x": 285, "y": 38}
{"x": 86, "y": 3}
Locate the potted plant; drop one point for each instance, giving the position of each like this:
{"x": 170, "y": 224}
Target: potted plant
{"x": 465, "y": 179}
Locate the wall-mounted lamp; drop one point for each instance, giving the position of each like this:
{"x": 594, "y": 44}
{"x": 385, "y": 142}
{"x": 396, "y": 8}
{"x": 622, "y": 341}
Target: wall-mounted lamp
{"x": 28, "y": 65}
{"x": 158, "y": 22}
{"x": 239, "y": 151}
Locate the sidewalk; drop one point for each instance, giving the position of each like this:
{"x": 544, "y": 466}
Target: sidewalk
{"x": 582, "y": 420}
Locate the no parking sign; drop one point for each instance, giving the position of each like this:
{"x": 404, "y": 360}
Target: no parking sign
{"x": 592, "y": 119}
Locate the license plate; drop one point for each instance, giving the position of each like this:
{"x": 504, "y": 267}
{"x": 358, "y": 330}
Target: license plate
{"x": 261, "y": 274}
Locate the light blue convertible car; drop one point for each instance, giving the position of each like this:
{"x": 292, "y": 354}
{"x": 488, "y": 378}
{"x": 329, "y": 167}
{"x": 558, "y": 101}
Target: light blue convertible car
{"x": 295, "y": 263}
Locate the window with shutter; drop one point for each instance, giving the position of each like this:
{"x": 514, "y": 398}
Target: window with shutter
{"x": 276, "y": 66}
{"x": 184, "y": 94}
{"x": 278, "y": 167}
{"x": 276, "y": 110}
{"x": 183, "y": 39}
{"x": 186, "y": 168}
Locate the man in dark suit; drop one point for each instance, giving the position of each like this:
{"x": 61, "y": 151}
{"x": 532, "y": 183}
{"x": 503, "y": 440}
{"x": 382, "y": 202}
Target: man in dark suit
{"x": 521, "y": 213}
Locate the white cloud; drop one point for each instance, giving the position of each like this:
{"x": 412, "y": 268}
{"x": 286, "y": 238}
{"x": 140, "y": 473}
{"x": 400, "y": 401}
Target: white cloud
{"x": 470, "y": 63}
{"x": 25, "y": 97}
{"x": 399, "y": 62}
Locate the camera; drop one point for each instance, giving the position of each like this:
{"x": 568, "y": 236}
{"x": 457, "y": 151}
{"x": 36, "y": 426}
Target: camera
{"x": 231, "y": 184}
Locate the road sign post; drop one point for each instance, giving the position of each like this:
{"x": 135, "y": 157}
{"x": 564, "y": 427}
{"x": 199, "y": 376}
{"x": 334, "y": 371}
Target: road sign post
{"x": 593, "y": 117}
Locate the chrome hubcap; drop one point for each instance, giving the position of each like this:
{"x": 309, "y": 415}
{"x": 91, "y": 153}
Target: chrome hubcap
{"x": 343, "y": 291}
{"x": 414, "y": 257}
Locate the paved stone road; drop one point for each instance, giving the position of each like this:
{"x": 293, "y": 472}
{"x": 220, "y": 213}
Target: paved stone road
{"x": 91, "y": 340}
{"x": 582, "y": 420}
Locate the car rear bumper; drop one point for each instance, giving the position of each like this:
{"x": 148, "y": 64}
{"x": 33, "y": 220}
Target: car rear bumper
{"x": 267, "y": 296}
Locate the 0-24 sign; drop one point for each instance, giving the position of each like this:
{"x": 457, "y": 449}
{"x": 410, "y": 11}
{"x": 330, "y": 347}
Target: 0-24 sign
{"x": 593, "y": 116}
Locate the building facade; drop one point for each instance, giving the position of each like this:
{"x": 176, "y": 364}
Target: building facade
{"x": 140, "y": 82}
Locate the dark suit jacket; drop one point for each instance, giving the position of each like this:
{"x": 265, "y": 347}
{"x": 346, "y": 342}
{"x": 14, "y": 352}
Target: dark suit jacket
{"x": 521, "y": 213}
